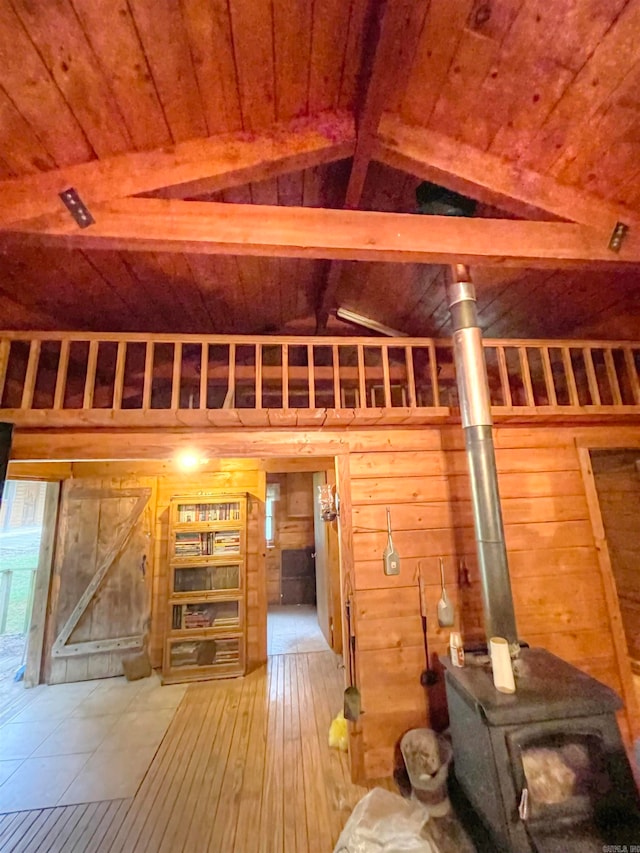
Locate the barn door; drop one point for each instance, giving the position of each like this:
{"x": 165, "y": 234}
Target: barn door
{"x": 101, "y": 593}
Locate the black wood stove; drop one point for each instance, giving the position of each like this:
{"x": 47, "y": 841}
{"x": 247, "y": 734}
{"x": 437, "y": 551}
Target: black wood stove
{"x": 544, "y": 768}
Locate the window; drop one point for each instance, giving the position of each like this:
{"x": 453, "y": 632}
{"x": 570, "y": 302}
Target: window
{"x": 273, "y": 494}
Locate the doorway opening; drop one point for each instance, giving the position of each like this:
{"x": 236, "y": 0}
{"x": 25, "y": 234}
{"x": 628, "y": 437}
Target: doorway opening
{"x": 616, "y": 475}
{"x": 302, "y": 564}
{"x": 21, "y": 527}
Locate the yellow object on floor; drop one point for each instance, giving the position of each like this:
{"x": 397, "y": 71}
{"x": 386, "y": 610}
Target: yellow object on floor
{"x": 339, "y": 733}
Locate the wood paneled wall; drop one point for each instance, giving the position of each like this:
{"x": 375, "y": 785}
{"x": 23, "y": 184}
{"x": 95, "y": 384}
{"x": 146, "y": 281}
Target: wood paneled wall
{"x": 557, "y": 581}
{"x": 290, "y": 530}
{"x": 618, "y": 484}
{"x": 564, "y": 591}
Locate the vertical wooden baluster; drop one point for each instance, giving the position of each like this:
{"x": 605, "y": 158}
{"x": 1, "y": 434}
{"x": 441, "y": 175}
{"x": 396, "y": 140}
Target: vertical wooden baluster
{"x": 632, "y": 374}
{"x": 258, "y": 376}
{"x": 433, "y": 372}
{"x": 526, "y": 376}
{"x": 147, "y": 383}
{"x": 230, "y": 397}
{"x": 504, "y": 377}
{"x": 90, "y": 381}
{"x": 118, "y": 383}
{"x": 613, "y": 377}
{"x": 548, "y": 377}
{"x": 176, "y": 375}
{"x": 285, "y": 376}
{"x": 574, "y": 399}
{"x": 362, "y": 385}
{"x": 385, "y": 376}
{"x": 30, "y": 376}
{"x": 204, "y": 374}
{"x": 61, "y": 375}
{"x": 336, "y": 376}
{"x": 5, "y": 349}
{"x": 594, "y": 391}
{"x": 411, "y": 379}
{"x": 312, "y": 377}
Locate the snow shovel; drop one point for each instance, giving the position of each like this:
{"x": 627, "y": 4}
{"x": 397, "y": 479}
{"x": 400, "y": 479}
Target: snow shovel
{"x": 445, "y": 608}
{"x": 351, "y": 694}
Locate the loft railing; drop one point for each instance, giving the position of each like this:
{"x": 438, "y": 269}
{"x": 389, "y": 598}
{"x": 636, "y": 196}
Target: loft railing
{"x": 53, "y": 379}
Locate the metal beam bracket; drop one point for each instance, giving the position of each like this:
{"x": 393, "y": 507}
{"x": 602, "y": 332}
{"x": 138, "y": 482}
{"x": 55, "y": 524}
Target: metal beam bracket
{"x": 617, "y": 236}
{"x": 77, "y": 207}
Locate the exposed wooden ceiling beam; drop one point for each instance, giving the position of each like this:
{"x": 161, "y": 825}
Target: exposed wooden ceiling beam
{"x": 399, "y": 34}
{"x": 188, "y": 168}
{"x": 489, "y": 179}
{"x": 161, "y": 225}
{"x": 397, "y": 39}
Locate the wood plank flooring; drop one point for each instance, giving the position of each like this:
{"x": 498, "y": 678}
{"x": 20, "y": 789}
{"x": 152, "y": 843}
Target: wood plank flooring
{"x": 86, "y": 828}
{"x": 245, "y": 767}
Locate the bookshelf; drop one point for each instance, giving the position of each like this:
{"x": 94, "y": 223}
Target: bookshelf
{"x": 206, "y": 630}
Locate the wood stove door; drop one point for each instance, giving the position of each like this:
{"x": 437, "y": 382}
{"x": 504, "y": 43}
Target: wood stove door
{"x": 568, "y": 783}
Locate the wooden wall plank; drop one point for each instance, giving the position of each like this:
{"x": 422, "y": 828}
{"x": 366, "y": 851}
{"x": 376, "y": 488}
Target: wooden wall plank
{"x": 292, "y": 29}
{"x": 35, "y": 94}
{"x": 433, "y": 59}
{"x": 330, "y": 26}
{"x": 63, "y": 46}
{"x": 110, "y": 30}
{"x": 21, "y": 151}
{"x": 161, "y": 28}
{"x": 209, "y": 29}
{"x": 253, "y": 51}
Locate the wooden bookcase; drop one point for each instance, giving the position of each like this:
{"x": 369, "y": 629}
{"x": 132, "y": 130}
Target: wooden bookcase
{"x": 206, "y": 630}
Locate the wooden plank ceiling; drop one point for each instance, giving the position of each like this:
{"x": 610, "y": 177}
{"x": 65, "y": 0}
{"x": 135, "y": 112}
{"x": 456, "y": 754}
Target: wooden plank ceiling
{"x": 531, "y": 108}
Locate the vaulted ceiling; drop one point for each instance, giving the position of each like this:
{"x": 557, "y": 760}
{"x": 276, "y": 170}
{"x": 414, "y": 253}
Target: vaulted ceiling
{"x": 531, "y": 108}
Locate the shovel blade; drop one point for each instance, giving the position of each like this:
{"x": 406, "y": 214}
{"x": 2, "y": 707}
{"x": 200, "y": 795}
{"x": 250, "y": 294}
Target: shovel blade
{"x": 445, "y": 614}
{"x": 352, "y": 704}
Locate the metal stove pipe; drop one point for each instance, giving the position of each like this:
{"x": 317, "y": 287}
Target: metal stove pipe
{"x": 475, "y": 407}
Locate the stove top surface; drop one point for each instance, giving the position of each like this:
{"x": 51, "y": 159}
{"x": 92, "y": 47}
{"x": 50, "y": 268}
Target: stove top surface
{"x": 546, "y": 688}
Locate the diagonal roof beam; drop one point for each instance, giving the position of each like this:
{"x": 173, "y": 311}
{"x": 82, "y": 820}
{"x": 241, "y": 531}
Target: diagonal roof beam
{"x": 190, "y": 168}
{"x": 399, "y": 24}
{"x": 164, "y": 225}
{"x": 443, "y": 160}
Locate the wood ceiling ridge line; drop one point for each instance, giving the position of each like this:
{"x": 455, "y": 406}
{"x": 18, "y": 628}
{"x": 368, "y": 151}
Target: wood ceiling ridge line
{"x": 160, "y": 225}
{"x": 199, "y": 165}
{"x": 489, "y": 178}
{"x": 399, "y": 32}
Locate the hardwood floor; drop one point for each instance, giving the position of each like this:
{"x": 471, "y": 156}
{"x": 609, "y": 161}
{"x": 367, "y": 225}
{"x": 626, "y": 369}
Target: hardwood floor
{"x": 87, "y": 828}
{"x": 245, "y": 766}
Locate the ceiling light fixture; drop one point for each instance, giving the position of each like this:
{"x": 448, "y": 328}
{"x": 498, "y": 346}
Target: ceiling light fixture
{"x": 189, "y": 460}
{"x": 359, "y": 320}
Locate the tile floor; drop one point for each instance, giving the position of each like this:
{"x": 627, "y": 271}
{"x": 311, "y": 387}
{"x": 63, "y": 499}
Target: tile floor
{"x": 294, "y": 629}
{"x": 83, "y": 742}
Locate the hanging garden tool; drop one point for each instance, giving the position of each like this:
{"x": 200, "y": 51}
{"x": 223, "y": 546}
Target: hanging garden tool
{"x": 390, "y": 556}
{"x": 351, "y": 694}
{"x": 429, "y": 677}
{"x": 464, "y": 576}
{"x": 446, "y": 615}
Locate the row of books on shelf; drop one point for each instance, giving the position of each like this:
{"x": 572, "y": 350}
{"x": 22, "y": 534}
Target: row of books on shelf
{"x": 211, "y": 543}
{"x": 203, "y": 618}
{"x": 208, "y": 512}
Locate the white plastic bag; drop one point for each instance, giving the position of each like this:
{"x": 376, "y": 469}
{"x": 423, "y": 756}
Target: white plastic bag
{"x": 383, "y": 822}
